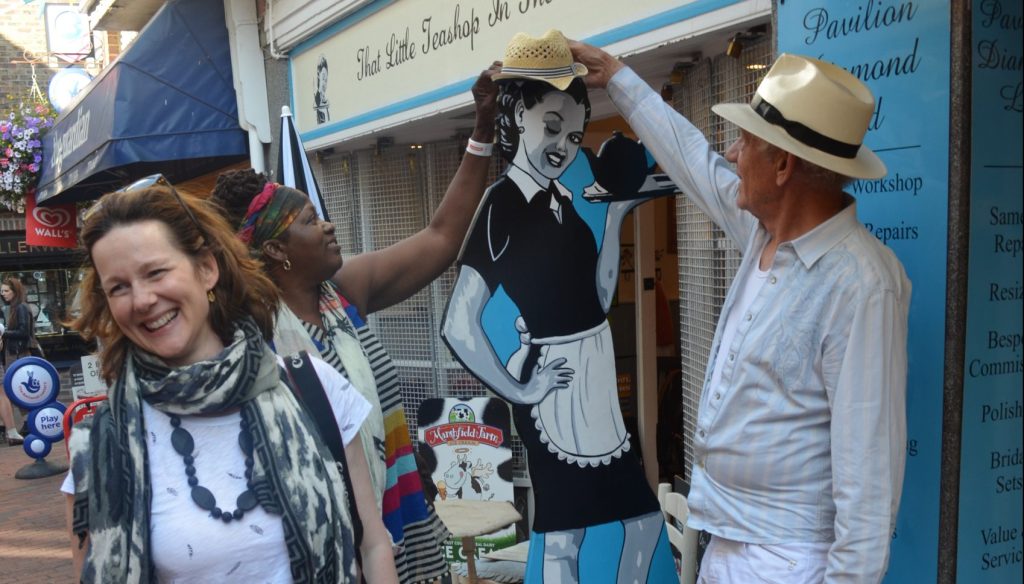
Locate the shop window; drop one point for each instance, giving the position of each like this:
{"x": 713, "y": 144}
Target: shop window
{"x": 50, "y": 297}
{"x": 48, "y": 294}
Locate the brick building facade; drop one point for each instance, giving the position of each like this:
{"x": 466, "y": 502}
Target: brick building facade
{"x": 23, "y": 37}
{"x": 24, "y": 34}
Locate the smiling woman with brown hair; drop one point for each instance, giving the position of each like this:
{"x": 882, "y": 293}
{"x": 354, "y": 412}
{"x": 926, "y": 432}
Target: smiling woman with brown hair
{"x": 202, "y": 465}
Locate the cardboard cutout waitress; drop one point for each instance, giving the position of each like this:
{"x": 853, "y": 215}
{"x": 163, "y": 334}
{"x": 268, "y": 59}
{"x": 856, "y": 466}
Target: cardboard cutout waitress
{"x": 532, "y": 250}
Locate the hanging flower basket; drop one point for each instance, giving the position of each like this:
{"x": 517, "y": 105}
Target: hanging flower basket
{"x": 21, "y": 151}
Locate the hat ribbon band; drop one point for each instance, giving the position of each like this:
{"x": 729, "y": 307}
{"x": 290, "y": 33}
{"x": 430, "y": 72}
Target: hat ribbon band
{"x": 801, "y": 132}
{"x": 549, "y": 72}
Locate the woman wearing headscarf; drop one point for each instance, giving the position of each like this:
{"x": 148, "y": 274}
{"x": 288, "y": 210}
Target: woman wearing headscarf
{"x": 202, "y": 466}
{"x": 325, "y": 304}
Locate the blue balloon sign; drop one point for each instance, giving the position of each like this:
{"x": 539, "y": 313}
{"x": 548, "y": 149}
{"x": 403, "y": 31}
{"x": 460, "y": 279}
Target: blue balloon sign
{"x": 36, "y": 446}
{"x": 31, "y": 382}
{"x": 48, "y": 421}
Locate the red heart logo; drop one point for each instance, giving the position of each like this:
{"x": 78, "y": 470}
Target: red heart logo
{"x": 52, "y": 218}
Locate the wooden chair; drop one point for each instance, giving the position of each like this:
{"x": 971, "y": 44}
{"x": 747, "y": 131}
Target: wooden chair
{"x": 682, "y": 538}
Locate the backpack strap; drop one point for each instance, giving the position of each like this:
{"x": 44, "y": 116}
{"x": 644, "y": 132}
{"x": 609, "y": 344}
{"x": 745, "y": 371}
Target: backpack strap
{"x": 301, "y": 377}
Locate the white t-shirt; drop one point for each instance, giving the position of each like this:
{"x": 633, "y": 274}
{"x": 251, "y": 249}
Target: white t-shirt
{"x": 190, "y": 546}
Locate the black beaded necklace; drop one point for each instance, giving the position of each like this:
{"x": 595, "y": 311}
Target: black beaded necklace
{"x": 184, "y": 445}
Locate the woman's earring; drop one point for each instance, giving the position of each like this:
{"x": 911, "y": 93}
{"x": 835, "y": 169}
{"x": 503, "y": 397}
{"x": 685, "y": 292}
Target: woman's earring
{"x": 521, "y": 129}
{"x": 287, "y": 265}
{"x": 210, "y": 296}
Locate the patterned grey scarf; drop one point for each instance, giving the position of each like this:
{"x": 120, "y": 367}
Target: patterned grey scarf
{"x": 294, "y": 475}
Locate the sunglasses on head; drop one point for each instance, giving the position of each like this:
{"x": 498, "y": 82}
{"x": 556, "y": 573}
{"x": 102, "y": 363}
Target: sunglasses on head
{"x": 153, "y": 180}
{"x": 159, "y": 180}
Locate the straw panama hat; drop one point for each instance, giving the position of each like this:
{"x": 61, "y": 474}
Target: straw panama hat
{"x": 546, "y": 58}
{"x": 814, "y": 110}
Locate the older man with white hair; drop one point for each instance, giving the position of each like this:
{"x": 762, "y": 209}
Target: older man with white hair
{"x": 800, "y": 434}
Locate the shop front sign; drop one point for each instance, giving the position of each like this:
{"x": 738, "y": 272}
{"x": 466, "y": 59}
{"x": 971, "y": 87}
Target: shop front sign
{"x": 383, "y": 61}
{"x": 15, "y": 245}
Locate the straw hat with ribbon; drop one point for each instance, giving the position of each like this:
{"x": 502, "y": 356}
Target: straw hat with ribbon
{"x": 546, "y": 58}
{"x": 814, "y": 110}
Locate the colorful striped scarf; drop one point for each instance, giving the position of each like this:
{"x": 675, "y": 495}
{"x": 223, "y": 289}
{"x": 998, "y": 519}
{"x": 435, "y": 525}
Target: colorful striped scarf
{"x": 415, "y": 529}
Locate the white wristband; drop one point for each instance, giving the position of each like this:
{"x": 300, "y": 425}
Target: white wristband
{"x": 479, "y": 148}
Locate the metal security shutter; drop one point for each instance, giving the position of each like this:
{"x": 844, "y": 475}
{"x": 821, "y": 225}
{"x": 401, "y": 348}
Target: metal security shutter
{"x": 338, "y": 184}
{"x": 707, "y": 259}
{"x": 449, "y": 376}
{"x": 375, "y": 199}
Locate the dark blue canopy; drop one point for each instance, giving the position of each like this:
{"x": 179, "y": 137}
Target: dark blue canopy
{"x": 167, "y": 104}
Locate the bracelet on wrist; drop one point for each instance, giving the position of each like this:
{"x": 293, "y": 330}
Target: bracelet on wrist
{"x": 483, "y": 149}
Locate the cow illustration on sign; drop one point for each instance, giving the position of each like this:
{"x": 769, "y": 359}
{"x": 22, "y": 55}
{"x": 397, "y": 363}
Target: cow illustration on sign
{"x": 548, "y": 257}
{"x": 463, "y": 473}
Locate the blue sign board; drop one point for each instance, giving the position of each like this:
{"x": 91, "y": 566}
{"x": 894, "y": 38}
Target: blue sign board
{"x": 900, "y": 49}
{"x": 989, "y": 539}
